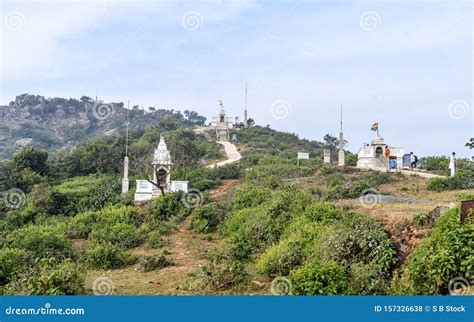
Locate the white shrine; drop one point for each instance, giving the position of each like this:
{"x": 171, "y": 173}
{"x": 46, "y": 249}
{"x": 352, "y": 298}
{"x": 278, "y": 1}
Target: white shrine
{"x": 161, "y": 183}
{"x": 222, "y": 124}
{"x": 372, "y": 156}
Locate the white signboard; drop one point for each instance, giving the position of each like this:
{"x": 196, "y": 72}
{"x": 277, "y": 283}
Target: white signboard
{"x": 327, "y": 156}
{"x": 302, "y": 155}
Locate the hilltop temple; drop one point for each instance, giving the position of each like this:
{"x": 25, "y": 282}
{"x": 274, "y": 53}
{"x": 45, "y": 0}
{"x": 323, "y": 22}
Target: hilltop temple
{"x": 222, "y": 124}
{"x": 372, "y": 156}
{"x": 161, "y": 183}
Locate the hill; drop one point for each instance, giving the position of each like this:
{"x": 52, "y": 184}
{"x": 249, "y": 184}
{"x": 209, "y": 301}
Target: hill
{"x": 60, "y": 123}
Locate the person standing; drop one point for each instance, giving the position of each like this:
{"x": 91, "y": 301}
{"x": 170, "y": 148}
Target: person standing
{"x": 413, "y": 160}
{"x": 452, "y": 164}
{"x": 387, "y": 155}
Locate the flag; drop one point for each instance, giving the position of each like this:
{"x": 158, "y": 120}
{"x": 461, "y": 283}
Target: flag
{"x": 375, "y": 127}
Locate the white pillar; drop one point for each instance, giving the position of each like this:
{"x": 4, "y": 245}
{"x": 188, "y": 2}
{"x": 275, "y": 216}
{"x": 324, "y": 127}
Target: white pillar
{"x": 125, "y": 176}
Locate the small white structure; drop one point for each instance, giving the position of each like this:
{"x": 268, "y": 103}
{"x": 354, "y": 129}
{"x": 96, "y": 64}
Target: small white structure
{"x": 222, "y": 124}
{"x": 372, "y": 156}
{"x": 147, "y": 190}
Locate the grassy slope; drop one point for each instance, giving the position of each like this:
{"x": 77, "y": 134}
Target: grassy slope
{"x": 188, "y": 249}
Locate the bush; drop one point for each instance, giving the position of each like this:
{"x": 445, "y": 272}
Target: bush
{"x": 155, "y": 239}
{"x": 119, "y": 234}
{"x": 252, "y": 229}
{"x": 444, "y": 255}
{"x": 150, "y": 263}
{"x": 205, "y": 219}
{"x": 357, "y": 239}
{"x": 107, "y": 256}
{"x": 168, "y": 206}
{"x": 464, "y": 195}
{"x": 49, "y": 277}
{"x": 248, "y": 196}
{"x": 42, "y": 241}
{"x": 82, "y": 224}
{"x": 223, "y": 272}
{"x": 319, "y": 279}
{"x": 366, "y": 279}
{"x": 463, "y": 179}
{"x": 13, "y": 261}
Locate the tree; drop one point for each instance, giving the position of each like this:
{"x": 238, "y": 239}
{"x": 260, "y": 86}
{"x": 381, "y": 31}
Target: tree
{"x": 470, "y": 144}
{"x": 193, "y": 118}
{"x": 31, "y": 158}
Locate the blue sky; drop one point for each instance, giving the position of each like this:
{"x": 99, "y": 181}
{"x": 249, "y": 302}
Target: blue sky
{"x": 407, "y": 65}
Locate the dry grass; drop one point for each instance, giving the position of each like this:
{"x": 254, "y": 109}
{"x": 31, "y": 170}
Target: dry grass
{"x": 187, "y": 252}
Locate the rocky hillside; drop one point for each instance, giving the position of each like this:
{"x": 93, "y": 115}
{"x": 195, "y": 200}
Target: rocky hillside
{"x": 59, "y": 123}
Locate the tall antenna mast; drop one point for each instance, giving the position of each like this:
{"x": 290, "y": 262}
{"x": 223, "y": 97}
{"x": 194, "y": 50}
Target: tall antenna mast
{"x": 125, "y": 185}
{"x": 245, "y": 111}
{"x": 128, "y": 123}
{"x": 341, "y": 118}
{"x": 341, "y": 156}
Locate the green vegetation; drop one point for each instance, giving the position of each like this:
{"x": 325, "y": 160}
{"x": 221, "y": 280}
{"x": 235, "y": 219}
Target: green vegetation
{"x": 270, "y": 218}
{"x": 463, "y": 179}
{"x": 444, "y": 255}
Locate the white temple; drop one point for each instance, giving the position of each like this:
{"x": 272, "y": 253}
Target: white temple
{"x": 161, "y": 182}
{"x": 222, "y": 124}
{"x": 372, "y": 156}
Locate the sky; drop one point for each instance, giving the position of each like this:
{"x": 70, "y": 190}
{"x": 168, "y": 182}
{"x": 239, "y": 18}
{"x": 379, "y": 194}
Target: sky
{"x": 407, "y": 65}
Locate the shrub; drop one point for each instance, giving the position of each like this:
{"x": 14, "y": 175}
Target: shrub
{"x": 150, "y": 263}
{"x": 422, "y": 219}
{"x": 319, "y": 279}
{"x": 13, "y": 261}
{"x": 155, "y": 239}
{"x": 464, "y": 195}
{"x": 248, "y": 196}
{"x": 119, "y": 234}
{"x": 168, "y": 206}
{"x": 252, "y": 229}
{"x": 444, "y": 255}
{"x": 107, "y": 256}
{"x": 49, "y": 277}
{"x": 82, "y": 224}
{"x": 205, "y": 219}
{"x": 366, "y": 279}
{"x": 357, "y": 239}
{"x": 42, "y": 241}
{"x": 223, "y": 272}
{"x": 463, "y": 179}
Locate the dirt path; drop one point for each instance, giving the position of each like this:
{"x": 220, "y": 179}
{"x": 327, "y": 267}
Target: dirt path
{"x": 233, "y": 154}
